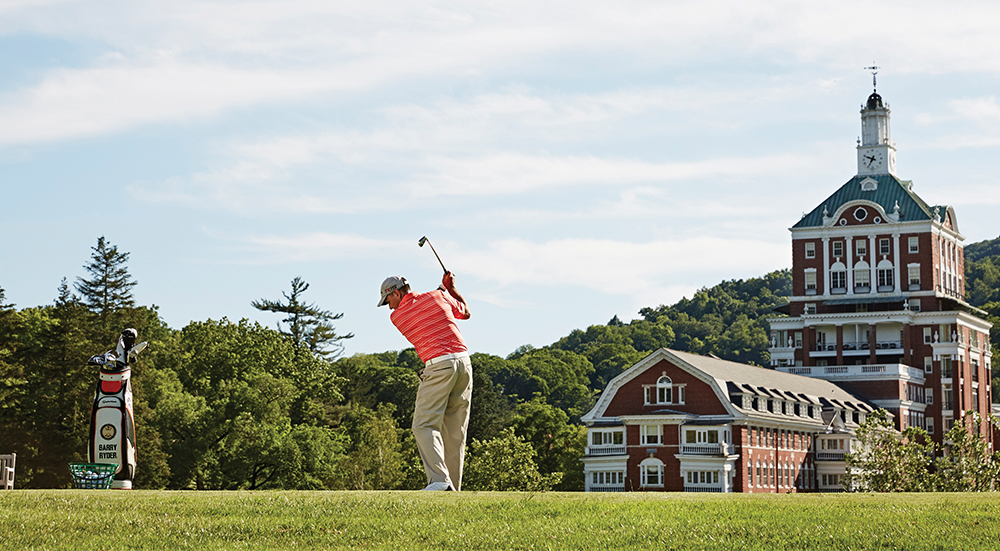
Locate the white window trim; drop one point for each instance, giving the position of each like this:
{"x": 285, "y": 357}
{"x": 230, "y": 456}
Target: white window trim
{"x": 607, "y": 437}
{"x": 645, "y": 433}
{"x": 651, "y": 395}
{"x": 644, "y": 472}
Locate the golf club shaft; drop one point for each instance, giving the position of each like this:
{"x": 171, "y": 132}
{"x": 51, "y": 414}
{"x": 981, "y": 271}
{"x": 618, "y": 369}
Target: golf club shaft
{"x": 438, "y": 257}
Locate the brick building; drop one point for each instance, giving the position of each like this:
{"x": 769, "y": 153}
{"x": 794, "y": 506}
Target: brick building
{"x": 878, "y": 286}
{"x": 682, "y": 422}
{"x": 877, "y": 320}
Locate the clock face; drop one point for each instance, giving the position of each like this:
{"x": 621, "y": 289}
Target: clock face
{"x": 873, "y": 159}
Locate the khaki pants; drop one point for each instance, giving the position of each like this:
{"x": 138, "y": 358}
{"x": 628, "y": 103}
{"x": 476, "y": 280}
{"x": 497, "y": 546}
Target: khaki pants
{"x": 441, "y": 417}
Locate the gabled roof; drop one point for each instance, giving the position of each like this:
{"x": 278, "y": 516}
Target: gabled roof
{"x": 889, "y": 191}
{"x": 781, "y": 385}
{"x": 734, "y": 378}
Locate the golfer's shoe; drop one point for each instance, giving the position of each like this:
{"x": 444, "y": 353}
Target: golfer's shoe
{"x": 438, "y": 487}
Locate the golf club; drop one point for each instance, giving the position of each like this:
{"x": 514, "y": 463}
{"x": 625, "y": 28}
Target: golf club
{"x": 428, "y": 241}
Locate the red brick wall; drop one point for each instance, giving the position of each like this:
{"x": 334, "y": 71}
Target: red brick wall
{"x": 700, "y": 398}
{"x": 875, "y": 390}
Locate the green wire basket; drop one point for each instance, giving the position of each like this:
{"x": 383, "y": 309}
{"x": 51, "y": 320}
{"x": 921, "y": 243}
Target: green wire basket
{"x": 92, "y": 476}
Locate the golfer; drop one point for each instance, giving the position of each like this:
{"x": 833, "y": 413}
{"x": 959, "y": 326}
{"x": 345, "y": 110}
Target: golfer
{"x": 441, "y": 412}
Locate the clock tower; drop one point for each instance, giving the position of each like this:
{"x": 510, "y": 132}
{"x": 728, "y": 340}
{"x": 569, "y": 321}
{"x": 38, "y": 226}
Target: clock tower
{"x": 876, "y": 152}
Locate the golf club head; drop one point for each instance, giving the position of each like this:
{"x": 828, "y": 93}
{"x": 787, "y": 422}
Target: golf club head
{"x": 422, "y": 241}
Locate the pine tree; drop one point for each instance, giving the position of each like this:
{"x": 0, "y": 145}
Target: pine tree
{"x": 109, "y": 288}
{"x": 309, "y": 327}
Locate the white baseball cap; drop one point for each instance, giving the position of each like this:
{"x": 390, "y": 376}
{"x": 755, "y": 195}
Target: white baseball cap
{"x": 390, "y": 284}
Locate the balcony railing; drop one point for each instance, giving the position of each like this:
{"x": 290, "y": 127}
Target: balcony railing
{"x": 886, "y": 345}
{"x": 829, "y": 456}
{"x": 866, "y": 370}
{"x": 606, "y": 450}
{"x": 851, "y": 346}
{"x": 706, "y": 489}
{"x": 707, "y": 449}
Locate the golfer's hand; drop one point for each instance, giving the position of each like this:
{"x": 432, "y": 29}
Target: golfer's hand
{"x": 448, "y": 281}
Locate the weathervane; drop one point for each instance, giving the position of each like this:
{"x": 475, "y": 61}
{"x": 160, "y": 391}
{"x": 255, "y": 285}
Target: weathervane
{"x": 874, "y": 71}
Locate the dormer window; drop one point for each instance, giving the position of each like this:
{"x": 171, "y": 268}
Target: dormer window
{"x": 869, "y": 184}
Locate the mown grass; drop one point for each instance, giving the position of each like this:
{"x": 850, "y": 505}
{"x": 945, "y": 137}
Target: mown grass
{"x": 398, "y": 521}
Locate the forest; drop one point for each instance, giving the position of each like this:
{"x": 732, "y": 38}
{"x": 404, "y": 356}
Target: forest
{"x": 224, "y": 405}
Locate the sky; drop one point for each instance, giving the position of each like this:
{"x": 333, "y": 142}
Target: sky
{"x": 569, "y": 161}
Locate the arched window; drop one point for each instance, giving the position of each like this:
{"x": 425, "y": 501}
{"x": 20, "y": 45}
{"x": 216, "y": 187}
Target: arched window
{"x": 862, "y": 277}
{"x": 885, "y": 271}
{"x": 838, "y": 278}
{"x": 664, "y": 390}
{"x": 651, "y": 472}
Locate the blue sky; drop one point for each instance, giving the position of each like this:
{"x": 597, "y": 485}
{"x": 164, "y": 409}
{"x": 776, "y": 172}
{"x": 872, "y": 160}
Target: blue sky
{"x": 570, "y": 161}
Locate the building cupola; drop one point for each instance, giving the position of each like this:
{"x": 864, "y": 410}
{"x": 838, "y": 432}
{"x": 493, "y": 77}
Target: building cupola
{"x": 876, "y": 152}
{"x": 874, "y": 101}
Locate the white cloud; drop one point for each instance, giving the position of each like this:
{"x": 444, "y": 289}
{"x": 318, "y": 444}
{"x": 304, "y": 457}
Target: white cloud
{"x": 474, "y": 148}
{"x": 184, "y": 60}
{"x": 646, "y": 272}
{"x": 76, "y": 103}
{"x": 513, "y": 173}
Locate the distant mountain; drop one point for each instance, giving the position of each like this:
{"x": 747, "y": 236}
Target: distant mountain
{"x": 977, "y": 251}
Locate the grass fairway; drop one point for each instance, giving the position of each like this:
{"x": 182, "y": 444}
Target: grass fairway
{"x": 82, "y": 519}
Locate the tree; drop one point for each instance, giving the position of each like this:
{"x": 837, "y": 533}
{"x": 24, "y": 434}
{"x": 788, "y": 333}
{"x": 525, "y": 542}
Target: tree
{"x": 12, "y": 377}
{"x": 375, "y": 458}
{"x": 490, "y": 411}
{"x": 967, "y": 464}
{"x": 561, "y": 376}
{"x": 227, "y": 416}
{"x": 109, "y": 288}
{"x": 505, "y": 464}
{"x": 309, "y": 327}
{"x": 887, "y": 461}
{"x": 558, "y": 444}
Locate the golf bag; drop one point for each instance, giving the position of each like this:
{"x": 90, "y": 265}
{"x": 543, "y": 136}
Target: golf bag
{"x": 112, "y": 428}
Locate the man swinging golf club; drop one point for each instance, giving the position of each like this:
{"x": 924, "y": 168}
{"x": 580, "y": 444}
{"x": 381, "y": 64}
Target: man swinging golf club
{"x": 441, "y": 411}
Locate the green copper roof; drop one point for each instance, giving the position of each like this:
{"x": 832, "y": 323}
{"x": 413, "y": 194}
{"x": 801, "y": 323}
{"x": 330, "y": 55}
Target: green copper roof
{"x": 889, "y": 192}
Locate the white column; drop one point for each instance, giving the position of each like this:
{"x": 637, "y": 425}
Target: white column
{"x": 872, "y": 255}
{"x": 826, "y": 266}
{"x": 895, "y": 261}
{"x": 850, "y": 266}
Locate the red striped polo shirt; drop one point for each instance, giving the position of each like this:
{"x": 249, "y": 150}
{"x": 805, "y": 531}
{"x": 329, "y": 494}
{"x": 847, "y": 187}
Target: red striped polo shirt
{"x": 427, "y": 320}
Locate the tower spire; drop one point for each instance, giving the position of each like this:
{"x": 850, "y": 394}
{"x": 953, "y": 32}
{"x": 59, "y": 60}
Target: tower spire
{"x": 874, "y": 69}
